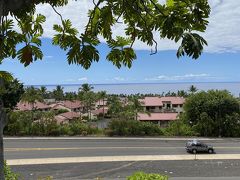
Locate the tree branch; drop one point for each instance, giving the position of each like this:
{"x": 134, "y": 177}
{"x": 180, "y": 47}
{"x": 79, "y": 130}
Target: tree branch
{"x": 156, "y": 7}
{"x": 57, "y": 13}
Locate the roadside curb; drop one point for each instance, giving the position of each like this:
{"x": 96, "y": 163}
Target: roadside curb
{"x": 121, "y": 159}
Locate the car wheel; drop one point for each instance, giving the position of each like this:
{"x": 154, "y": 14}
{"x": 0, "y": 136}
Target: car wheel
{"x": 194, "y": 151}
{"x": 210, "y": 151}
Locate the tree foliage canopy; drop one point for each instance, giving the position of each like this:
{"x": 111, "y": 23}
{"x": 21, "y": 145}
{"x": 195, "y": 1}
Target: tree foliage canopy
{"x": 177, "y": 20}
{"x": 31, "y": 96}
{"x": 213, "y": 113}
{"x": 11, "y": 93}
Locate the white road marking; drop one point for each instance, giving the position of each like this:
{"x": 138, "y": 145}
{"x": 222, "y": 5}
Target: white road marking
{"x": 110, "y": 138}
{"x": 95, "y": 148}
{"x": 121, "y": 158}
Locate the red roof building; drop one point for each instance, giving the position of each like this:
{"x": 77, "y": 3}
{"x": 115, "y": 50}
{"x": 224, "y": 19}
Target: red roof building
{"x": 162, "y": 109}
{"x": 24, "y": 106}
{"x": 73, "y": 106}
{"x": 159, "y": 118}
{"x": 66, "y": 117}
{"x": 163, "y": 104}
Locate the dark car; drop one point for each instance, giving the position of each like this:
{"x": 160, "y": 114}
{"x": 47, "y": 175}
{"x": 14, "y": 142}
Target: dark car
{"x": 197, "y": 146}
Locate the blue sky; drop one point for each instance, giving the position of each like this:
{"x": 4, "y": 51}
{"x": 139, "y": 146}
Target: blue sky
{"x": 219, "y": 63}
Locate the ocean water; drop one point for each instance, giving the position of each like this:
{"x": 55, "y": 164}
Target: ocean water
{"x": 158, "y": 88}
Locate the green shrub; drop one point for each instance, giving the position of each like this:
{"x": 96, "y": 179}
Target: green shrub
{"x": 145, "y": 176}
{"x": 77, "y": 128}
{"x": 19, "y": 123}
{"x": 109, "y": 132}
{"x": 9, "y": 174}
{"x": 179, "y": 128}
{"x": 94, "y": 130}
{"x": 64, "y": 129}
{"x": 151, "y": 129}
{"x": 132, "y": 128}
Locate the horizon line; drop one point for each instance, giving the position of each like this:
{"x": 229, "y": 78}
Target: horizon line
{"x": 75, "y": 84}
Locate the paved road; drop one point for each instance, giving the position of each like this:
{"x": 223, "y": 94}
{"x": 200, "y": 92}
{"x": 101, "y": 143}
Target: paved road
{"x": 166, "y": 156}
{"x": 46, "y": 148}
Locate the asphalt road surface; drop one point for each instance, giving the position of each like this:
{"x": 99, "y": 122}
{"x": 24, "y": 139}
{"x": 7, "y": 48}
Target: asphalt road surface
{"x": 117, "y": 158}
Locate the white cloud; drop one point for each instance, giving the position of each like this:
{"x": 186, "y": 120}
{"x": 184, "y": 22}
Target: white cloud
{"x": 83, "y": 79}
{"x": 180, "y": 77}
{"x": 119, "y": 79}
{"x": 76, "y": 80}
{"x": 222, "y": 33}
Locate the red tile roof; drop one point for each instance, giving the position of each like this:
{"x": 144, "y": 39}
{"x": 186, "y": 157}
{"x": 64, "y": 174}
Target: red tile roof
{"x": 157, "y": 117}
{"x": 158, "y": 101}
{"x": 70, "y": 115}
{"x": 174, "y": 100}
{"x": 72, "y": 104}
{"x": 61, "y": 120}
{"x": 151, "y": 101}
{"x": 24, "y": 106}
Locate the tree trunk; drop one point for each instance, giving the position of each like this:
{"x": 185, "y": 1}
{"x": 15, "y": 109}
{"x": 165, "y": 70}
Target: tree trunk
{"x": 3, "y": 119}
{"x": 103, "y": 108}
{"x": 90, "y": 114}
{"x": 1, "y": 154}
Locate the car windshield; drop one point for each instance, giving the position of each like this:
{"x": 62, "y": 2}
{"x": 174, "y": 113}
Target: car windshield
{"x": 193, "y": 142}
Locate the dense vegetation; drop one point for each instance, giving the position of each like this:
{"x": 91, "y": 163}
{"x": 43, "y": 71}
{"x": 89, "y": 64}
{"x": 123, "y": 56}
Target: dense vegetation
{"x": 211, "y": 113}
{"x": 133, "y": 128}
{"x": 44, "y": 124}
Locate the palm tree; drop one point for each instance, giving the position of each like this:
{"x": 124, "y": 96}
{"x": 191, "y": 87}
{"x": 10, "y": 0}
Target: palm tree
{"x": 87, "y": 96}
{"x": 135, "y": 106}
{"x": 182, "y": 93}
{"x": 86, "y": 87}
{"x": 88, "y": 99}
{"x": 102, "y": 95}
{"x": 31, "y": 96}
{"x": 70, "y": 96}
{"x": 192, "y": 89}
{"x": 58, "y": 93}
{"x": 43, "y": 91}
{"x": 115, "y": 106}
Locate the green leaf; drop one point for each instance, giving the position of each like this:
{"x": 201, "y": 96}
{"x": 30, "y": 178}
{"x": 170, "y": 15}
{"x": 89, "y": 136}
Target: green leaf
{"x": 36, "y": 41}
{"x": 37, "y": 53}
{"x": 25, "y": 55}
{"x": 192, "y": 44}
{"x": 57, "y": 28}
{"x": 6, "y": 76}
{"x": 170, "y": 3}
